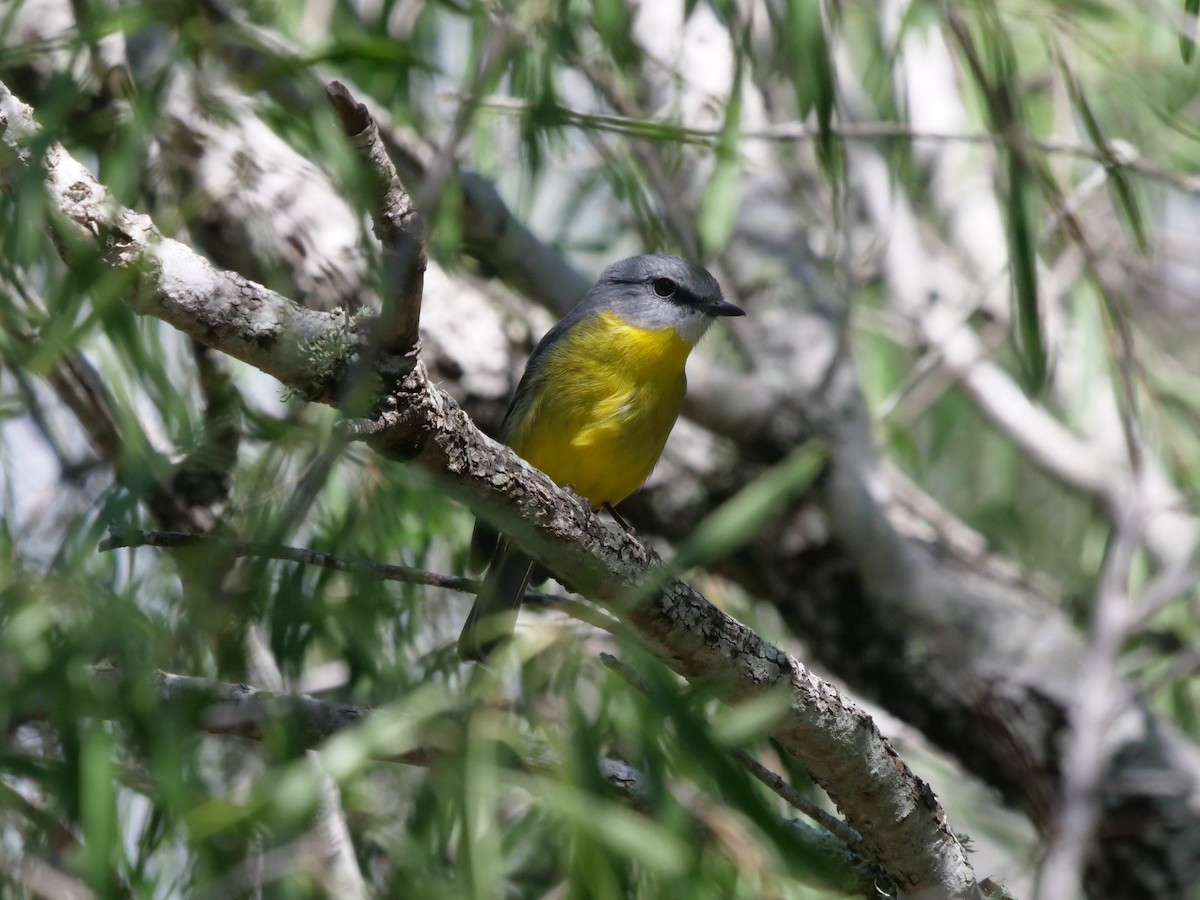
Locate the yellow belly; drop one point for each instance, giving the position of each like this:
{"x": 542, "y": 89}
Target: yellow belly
{"x": 605, "y": 400}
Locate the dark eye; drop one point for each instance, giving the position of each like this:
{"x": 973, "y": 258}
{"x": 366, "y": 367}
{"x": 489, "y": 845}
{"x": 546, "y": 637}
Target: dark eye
{"x": 664, "y": 287}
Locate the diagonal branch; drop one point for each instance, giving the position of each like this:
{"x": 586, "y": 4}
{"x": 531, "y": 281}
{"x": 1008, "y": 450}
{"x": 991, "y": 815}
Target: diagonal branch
{"x": 900, "y": 819}
{"x": 902, "y": 824}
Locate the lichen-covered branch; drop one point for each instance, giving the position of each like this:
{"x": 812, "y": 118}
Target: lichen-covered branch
{"x": 899, "y": 817}
{"x": 490, "y": 231}
{"x": 902, "y": 825}
{"x": 304, "y": 349}
{"x": 398, "y": 225}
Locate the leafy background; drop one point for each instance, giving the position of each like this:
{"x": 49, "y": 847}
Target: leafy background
{"x": 1073, "y": 136}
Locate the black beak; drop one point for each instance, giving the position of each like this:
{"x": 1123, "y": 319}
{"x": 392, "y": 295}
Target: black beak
{"x": 723, "y": 308}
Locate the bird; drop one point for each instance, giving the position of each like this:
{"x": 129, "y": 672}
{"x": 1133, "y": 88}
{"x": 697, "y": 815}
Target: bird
{"x": 599, "y": 396}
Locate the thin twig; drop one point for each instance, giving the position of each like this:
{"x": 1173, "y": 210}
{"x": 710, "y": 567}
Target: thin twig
{"x": 1089, "y": 749}
{"x": 932, "y": 361}
{"x": 1166, "y": 587}
{"x": 133, "y": 539}
{"x": 1115, "y": 154}
{"x": 239, "y": 549}
{"x": 240, "y": 710}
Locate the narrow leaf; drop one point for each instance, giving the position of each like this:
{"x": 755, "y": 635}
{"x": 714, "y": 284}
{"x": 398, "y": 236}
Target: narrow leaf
{"x": 625, "y": 831}
{"x": 812, "y": 70}
{"x": 613, "y": 25}
{"x": 98, "y": 802}
{"x": 719, "y": 205}
{"x": 740, "y": 517}
{"x": 1022, "y": 253}
{"x": 1187, "y": 42}
{"x": 1117, "y": 178}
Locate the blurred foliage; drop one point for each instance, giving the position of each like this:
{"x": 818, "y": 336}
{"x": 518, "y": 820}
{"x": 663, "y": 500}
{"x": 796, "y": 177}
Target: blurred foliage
{"x": 128, "y": 795}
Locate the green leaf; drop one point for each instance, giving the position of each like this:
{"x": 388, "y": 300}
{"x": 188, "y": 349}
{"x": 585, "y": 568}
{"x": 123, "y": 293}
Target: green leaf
{"x": 719, "y": 205}
{"x": 738, "y": 519}
{"x": 613, "y": 26}
{"x": 1117, "y": 178}
{"x": 98, "y": 802}
{"x": 1023, "y": 257}
{"x": 445, "y": 238}
{"x": 920, "y": 16}
{"x": 626, "y": 832}
{"x": 997, "y": 72}
{"x": 1187, "y": 46}
{"x": 812, "y": 70}
{"x": 362, "y": 48}
{"x": 753, "y": 719}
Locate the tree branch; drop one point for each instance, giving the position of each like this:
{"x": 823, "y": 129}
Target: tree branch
{"x": 902, "y": 825}
{"x": 491, "y": 233}
{"x": 1090, "y": 744}
{"x": 398, "y": 225}
{"x": 304, "y": 349}
{"x": 901, "y": 822}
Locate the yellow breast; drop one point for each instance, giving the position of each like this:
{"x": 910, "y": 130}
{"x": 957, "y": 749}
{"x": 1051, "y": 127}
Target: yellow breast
{"x": 606, "y": 397}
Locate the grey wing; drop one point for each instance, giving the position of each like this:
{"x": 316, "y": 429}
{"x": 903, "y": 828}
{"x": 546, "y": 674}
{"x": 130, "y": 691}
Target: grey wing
{"x": 536, "y": 360}
{"x": 484, "y": 537}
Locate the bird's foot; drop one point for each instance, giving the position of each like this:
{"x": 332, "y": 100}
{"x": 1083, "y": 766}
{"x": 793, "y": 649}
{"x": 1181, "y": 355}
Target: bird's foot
{"x": 612, "y": 511}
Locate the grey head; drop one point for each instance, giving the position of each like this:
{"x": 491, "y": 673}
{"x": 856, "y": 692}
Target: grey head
{"x": 659, "y": 291}
{"x": 653, "y": 291}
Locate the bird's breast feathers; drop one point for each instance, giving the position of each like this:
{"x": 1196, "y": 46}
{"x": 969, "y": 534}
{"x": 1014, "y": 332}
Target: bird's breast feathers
{"x": 606, "y": 397}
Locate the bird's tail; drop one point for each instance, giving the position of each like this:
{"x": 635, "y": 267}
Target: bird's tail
{"x": 494, "y": 615}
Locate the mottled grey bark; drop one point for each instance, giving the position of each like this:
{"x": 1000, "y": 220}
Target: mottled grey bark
{"x": 899, "y": 818}
{"x": 983, "y": 664}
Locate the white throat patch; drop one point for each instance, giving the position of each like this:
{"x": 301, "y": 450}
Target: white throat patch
{"x": 692, "y": 326}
